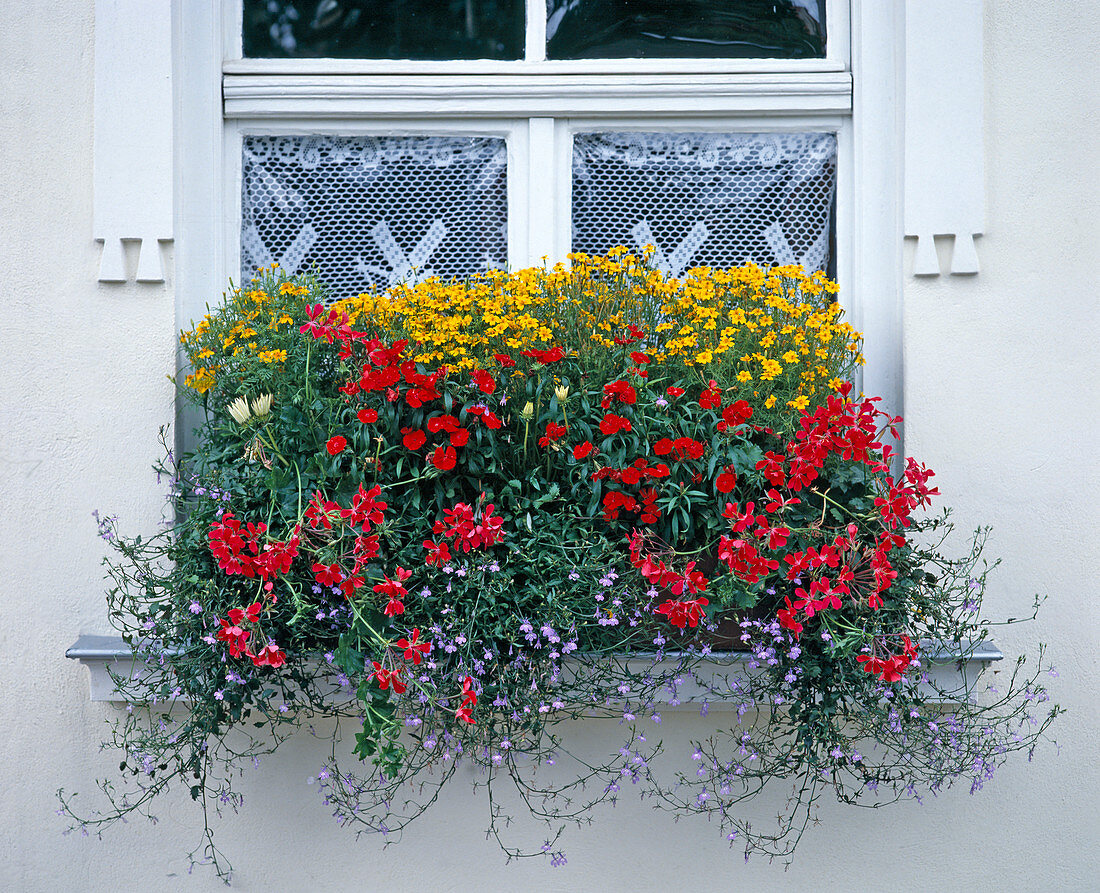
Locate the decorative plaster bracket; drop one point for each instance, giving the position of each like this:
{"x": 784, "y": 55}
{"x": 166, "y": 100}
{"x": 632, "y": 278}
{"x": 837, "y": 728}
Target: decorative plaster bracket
{"x": 944, "y": 148}
{"x": 133, "y": 135}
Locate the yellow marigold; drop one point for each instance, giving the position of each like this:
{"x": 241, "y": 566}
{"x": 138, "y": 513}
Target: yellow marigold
{"x": 201, "y": 380}
{"x": 800, "y": 402}
{"x": 770, "y": 402}
{"x": 272, "y": 356}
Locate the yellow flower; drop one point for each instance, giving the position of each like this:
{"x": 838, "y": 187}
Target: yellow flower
{"x": 800, "y": 402}
{"x": 261, "y": 406}
{"x": 770, "y": 402}
{"x": 744, "y": 375}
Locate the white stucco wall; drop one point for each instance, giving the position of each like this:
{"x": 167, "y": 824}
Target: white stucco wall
{"x": 1000, "y": 398}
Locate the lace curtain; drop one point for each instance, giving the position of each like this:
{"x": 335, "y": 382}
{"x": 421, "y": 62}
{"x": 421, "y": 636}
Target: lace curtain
{"x": 366, "y": 212}
{"x": 706, "y": 199}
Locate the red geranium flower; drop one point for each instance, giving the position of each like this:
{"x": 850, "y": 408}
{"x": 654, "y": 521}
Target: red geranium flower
{"x": 583, "y": 450}
{"x": 271, "y": 655}
{"x": 367, "y": 416}
{"x": 336, "y": 445}
{"x": 412, "y": 646}
{"x": 484, "y": 381}
{"x": 505, "y": 361}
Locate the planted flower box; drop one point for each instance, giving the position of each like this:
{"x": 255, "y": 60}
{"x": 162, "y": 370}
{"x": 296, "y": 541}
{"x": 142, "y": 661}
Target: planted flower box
{"x": 494, "y": 504}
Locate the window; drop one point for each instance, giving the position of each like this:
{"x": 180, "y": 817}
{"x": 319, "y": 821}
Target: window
{"x": 380, "y": 141}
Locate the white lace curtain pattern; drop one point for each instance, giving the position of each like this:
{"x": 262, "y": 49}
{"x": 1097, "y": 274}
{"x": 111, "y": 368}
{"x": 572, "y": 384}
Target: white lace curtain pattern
{"x": 706, "y": 199}
{"x": 368, "y": 212}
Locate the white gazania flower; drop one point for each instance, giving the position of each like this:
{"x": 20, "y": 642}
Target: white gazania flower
{"x": 261, "y": 406}
{"x": 528, "y": 410}
{"x": 239, "y": 410}
{"x": 562, "y": 393}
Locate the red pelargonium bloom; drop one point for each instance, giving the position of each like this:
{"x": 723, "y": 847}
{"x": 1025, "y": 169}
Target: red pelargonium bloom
{"x": 483, "y": 381}
{"x": 444, "y": 458}
{"x": 367, "y": 416}
{"x": 683, "y": 613}
{"x": 636, "y": 356}
{"x": 236, "y": 637}
{"x": 554, "y": 432}
{"x": 413, "y": 648}
{"x": 439, "y": 554}
{"x": 414, "y": 438}
{"x": 394, "y": 591}
{"x": 505, "y": 361}
{"x": 636, "y": 334}
{"x": 252, "y": 614}
{"x": 788, "y": 618}
{"x": 387, "y": 678}
{"x": 336, "y": 445}
{"x": 469, "y": 701}
{"x": 467, "y": 530}
{"x": 271, "y": 655}
{"x": 365, "y": 509}
{"x": 328, "y": 574}
{"x": 583, "y": 450}
{"x": 772, "y": 468}
{"x": 611, "y": 424}
{"x": 321, "y": 512}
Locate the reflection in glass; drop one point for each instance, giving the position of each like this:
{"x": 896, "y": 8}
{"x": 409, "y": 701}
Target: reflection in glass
{"x": 384, "y": 29}
{"x": 685, "y": 29}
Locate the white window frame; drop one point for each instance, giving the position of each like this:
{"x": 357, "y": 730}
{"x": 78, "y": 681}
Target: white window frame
{"x": 537, "y": 105}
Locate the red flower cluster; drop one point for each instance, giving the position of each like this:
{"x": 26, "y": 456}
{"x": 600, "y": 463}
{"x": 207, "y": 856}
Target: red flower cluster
{"x": 233, "y": 633}
{"x": 393, "y": 591}
{"x": 413, "y": 648}
{"x": 890, "y": 669}
{"x": 469, "y": 701}
{"x": 612, "y": 424}
{"x": 467, "y": 529}
{"x": 554, "y": 432}
{"x": 237, "y": 549}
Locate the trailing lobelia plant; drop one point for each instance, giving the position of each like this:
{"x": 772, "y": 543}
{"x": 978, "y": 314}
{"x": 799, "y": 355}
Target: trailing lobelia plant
{"x": 459, "y": 513}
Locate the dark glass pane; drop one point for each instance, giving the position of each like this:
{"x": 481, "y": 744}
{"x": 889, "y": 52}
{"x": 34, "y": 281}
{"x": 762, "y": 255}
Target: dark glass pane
{"x": 685, "y": 29}
{"x": 384, "y": 29}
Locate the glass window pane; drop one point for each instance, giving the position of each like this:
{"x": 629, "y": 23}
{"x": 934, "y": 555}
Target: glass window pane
{"x": 685, "y": 29}
{"x": 367, "y": 212}
{"x": 706, "y": 199}
{"x": 384, "y": 29}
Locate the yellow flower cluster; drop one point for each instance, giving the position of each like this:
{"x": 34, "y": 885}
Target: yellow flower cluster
{"x": 253, "y": 324}
{"x": 779, "y": 329}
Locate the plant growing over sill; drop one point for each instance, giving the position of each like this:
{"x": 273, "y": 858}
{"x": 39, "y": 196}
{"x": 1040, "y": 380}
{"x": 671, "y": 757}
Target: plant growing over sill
{"x": 475, "y": 500}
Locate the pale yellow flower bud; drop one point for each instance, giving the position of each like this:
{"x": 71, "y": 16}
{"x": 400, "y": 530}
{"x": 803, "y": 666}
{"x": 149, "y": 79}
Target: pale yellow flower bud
{"x": 562, "y": 393}
{"x": 239, "y": 410}
{"x": 261, "y": 406}
{"x": 528, "y": 411}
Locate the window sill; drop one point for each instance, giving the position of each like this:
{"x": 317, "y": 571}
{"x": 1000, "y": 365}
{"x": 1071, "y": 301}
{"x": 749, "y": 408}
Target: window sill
{"x": 950, "y": 677}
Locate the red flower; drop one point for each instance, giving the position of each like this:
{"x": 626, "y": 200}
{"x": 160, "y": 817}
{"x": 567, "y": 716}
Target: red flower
{"x": 271, "y": 655}
{"x": 336, "y": 445}
{"x": 583, "y": 451}
{"x": 386, "y": 678}
{"x": 505, "y": 361}
{"x": 235, "y": 636}
{"x": 553, "y": 355}
{"x": 412, "y": 646}
{"x": 467, "y": 531}
{"x": 639, "y": 357}
{"x": 365, "y": 510}
{"x": 613, "y": 423}
{"x": 484, "y": 381}
{"x": 736, "y": 414}
{"x": 621, "y": 390}
{"x": 414, "y": 438}
{"x": 674, "y": 392}
{"x": 328, "y": 574}
{"x": 727, "y": 480}
{"x": 439, "y": 554}
{"x": 469, "y": 701}
{"x": 554, "y": 431}
{"x": 683, "y": 613}
{"x": 711, "y": 398}
{"x": 444, "y": 458}
{"x": 367, "y": 416}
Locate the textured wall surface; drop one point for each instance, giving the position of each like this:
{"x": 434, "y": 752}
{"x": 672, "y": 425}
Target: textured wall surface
{"x": 1001, "y": 397}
